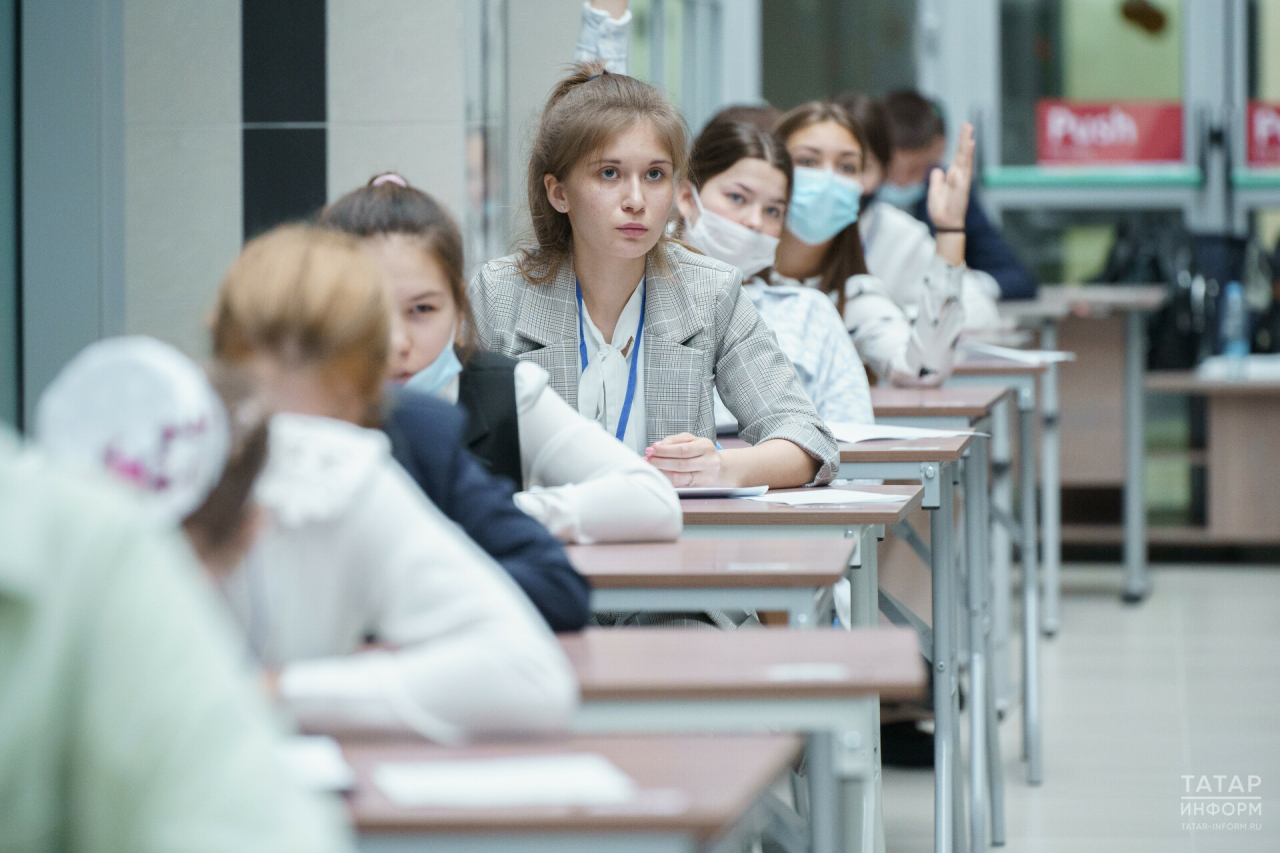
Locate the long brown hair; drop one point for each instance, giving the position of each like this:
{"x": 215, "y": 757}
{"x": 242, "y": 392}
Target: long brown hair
{"x": 724, "y": 142}
{"x": 389, "y": 205}
{"x": 844, "y": 257}
{"x": 586, "y": 110}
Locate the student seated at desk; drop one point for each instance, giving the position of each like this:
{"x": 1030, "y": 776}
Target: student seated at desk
{"x": 634, "y": 330}
{"x": 129, "y": 725}
{"x": 733, "y": 207}
{"x": 905, "y": 317}
{"x": 918, "y": 133}
{"x": 578, "y": 480}
{"x": 354, "y": 551}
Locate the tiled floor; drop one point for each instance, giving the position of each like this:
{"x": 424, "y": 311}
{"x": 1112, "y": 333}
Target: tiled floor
{"x": 1135, "y": 697}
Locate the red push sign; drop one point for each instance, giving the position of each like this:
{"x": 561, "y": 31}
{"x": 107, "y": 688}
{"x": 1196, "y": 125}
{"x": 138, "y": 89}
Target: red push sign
{"x": 1107, "y": 132}
{"x": 1264, "y": 133}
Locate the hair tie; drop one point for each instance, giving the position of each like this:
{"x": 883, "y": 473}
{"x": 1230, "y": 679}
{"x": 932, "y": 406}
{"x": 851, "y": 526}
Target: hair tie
{"x": 594, "y": 76}
{"x": 390, "y": 178}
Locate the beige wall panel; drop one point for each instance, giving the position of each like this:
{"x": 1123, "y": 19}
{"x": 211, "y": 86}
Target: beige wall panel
{"x": 183, "y": 210}
{"x": 428, "y": 154}
{"x": 541, "y": 36}
{"x": 395, "y": 61}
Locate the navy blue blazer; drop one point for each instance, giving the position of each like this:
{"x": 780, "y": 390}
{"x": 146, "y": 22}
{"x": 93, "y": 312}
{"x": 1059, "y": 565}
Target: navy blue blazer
{"x": 986, "y": 249}
{"x": 427, "y": 440}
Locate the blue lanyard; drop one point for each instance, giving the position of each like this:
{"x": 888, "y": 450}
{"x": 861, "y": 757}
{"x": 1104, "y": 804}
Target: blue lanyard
{"x": 635, "y": 356}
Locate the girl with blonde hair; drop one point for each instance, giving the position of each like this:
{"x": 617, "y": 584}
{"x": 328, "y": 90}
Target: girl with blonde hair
{"x": 354, "y": 552}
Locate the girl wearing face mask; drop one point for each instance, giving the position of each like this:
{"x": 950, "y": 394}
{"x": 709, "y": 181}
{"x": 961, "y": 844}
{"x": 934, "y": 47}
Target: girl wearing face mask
{"x": 905, "y": 326}
{"x": 905, "y": 318}
{"x": 733, "y": 206}
{"x": 635, "y": 331}
{"x": 580, "y": 482}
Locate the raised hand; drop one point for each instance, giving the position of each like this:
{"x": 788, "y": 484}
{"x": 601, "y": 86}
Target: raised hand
{"x": 949, "y": 191}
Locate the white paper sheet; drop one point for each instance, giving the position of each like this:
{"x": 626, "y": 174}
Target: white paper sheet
{"x": 854, "y": 433}
{"x": 317, "y": 763}
{"x": 572, "y": 779}
{"x": 1022, "y": 356}
{"x": 827, "y": 497}
{"x": 720, "y": 491}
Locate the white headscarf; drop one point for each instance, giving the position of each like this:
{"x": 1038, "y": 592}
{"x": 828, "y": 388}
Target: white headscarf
{"x": 144, "y": 413}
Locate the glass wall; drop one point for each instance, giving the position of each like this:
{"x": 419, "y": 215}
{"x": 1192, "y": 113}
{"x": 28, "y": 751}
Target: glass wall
{"x": 818, "y": 48}
{"x": 1083, "y": 50}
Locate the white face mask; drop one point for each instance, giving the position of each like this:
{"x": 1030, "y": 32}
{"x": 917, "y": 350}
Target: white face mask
{"x": 725, "y": 240}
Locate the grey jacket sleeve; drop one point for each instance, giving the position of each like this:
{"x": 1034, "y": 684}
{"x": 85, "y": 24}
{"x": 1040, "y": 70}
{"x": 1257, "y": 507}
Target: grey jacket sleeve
{"x": 759, "y": 385}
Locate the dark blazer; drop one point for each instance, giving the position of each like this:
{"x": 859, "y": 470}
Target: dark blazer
{"x": 427, "y": 440}
{"x": 487, "y": 393}
{"x": 986, "y": 249}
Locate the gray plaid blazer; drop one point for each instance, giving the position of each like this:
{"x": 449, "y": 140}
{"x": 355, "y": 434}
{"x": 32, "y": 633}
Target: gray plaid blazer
{"x": 700, "y": 331}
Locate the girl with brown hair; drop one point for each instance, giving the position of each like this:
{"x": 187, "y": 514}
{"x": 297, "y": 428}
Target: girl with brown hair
{"x": 733, "y": 207}
{"x": 580, "y": 482}
{"x": 634, "y": 330}
{"x": 904, "y": 318}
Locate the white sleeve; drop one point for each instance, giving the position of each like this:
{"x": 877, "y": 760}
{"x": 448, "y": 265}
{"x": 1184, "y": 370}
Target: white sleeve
{"x": 468, "y": 654}
{"x": 915, "y": 350}
{"x": 879, "y": 328}
{"x": 841, "y": 391}
{"x": 979, "y": 294}
{"x": 603, "y": 37}
{"x": 585, "y": 485}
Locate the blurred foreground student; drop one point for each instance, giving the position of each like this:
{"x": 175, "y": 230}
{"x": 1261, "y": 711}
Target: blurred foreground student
{"x": 636, "y": 331}
{"x": 578, "y": 480}
{"x": 143, "y": 413}
{"x": 127, "y": 723}
{"x": 919, "y": 137}
{"x": 354, "y": 552}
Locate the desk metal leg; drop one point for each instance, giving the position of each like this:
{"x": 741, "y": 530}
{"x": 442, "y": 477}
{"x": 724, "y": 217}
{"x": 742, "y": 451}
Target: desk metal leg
{"x": 1135, "y": 515}
{"x": 945, "y": 705}
{"x": 824, "y": 802}
{"x": 862, "y": 797}
{"x": 975, "y": 521}
{"x": 1001, "y": 553}
{"x": 1050, "y": 487}
{"x": 1030, "y": 598}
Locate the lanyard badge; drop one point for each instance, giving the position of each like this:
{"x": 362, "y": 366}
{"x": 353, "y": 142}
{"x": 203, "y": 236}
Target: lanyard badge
{"x": 635, "y": 357}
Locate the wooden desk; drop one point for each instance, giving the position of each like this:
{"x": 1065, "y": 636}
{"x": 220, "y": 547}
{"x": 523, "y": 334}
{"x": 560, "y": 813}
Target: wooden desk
{"x": 1092, "y": 416}
{"x": 823, "y": 682}
{"x": 711, "y": 516}
{"x": 696, "y": 575}
{"x": 1022, "y": 379}
{"x": 694, "y": 791}
{"x": 1241, "y": 456}
{"x": 935, "y": 463}
{"x": 939, "y": 408}
{"x": 986, "y": 622}
{"x": 652, "y": 665}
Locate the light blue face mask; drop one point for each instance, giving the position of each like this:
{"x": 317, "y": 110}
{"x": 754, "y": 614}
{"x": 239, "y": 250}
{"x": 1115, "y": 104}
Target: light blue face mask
{"x": 904, "y": 197}
{"x": 432, "y": 378}
{"x": 822, "y": 204}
